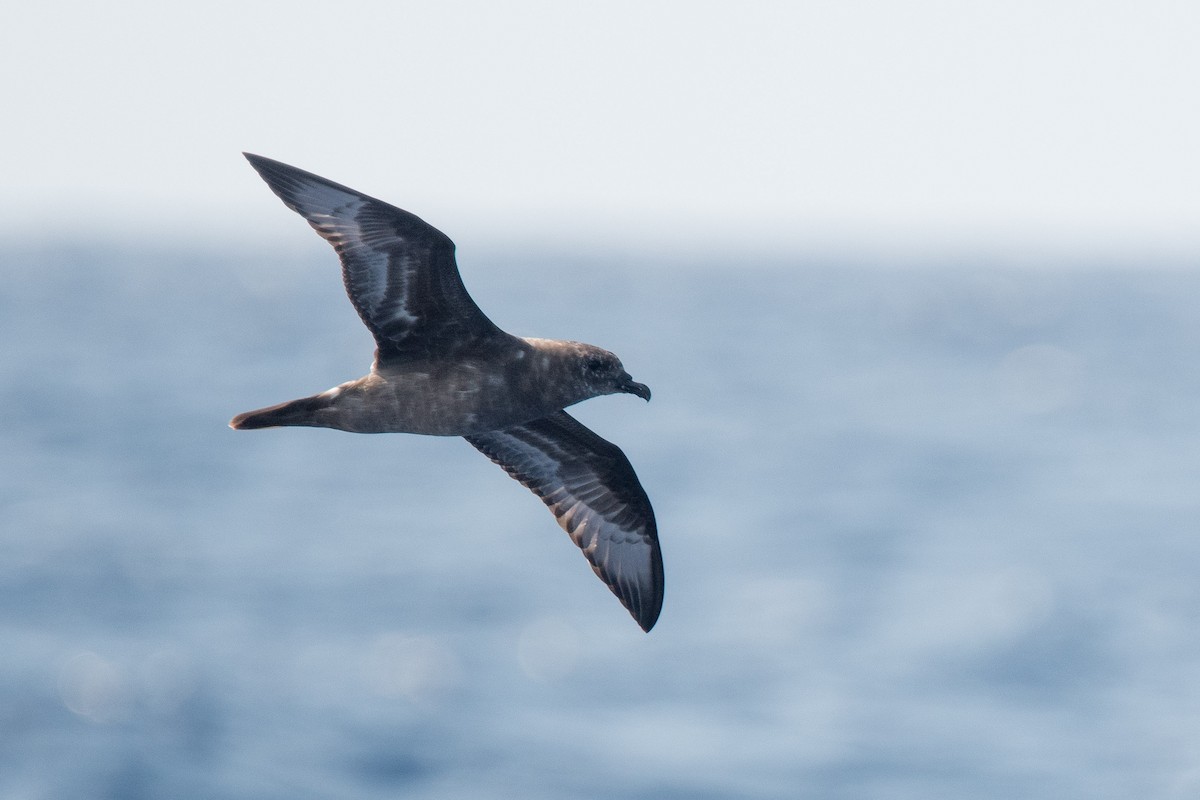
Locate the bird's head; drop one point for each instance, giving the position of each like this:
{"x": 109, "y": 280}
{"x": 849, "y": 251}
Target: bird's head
{"x": 603, "y": 372}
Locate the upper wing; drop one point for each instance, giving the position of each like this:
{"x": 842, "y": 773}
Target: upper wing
{"x": 399, "y": 271}
{"x": 592, "y": 490}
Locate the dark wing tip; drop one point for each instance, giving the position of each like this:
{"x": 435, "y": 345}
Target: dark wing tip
{"x": 647, "y": 615}
{"x": 261, "y": 163}
{"x": 289, "y": 182}
{"x": 642, "y": 598}
{"x": 264, "y": 166}
{"x": 283, "y": 179}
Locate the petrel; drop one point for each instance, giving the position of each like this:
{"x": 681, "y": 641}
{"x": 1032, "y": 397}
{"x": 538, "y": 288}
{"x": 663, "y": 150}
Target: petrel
{"x": 443, "y": 368}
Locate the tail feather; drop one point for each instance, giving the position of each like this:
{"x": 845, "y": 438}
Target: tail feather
{"x": 292, "y": 413}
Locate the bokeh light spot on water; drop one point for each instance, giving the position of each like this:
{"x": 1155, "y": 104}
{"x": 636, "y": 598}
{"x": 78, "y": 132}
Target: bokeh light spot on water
{"x": 415, "y": 668}
{"x": 94, "y": 688}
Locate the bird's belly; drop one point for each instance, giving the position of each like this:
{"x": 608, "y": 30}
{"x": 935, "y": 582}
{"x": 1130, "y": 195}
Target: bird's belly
{"x": 455, "y": 404}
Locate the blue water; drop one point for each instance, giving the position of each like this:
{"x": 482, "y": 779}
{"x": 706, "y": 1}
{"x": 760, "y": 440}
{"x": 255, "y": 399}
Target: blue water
{"x": 930, "y": 531}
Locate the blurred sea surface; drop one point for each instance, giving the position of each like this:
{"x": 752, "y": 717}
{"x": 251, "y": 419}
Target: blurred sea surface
{"x": 930, "y": 530}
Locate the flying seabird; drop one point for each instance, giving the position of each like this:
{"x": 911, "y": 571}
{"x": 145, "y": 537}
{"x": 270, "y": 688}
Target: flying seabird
{"x": 442, "y": 368}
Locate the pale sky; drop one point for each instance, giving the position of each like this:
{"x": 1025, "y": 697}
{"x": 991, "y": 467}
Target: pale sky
{"x": 780, "y": 125}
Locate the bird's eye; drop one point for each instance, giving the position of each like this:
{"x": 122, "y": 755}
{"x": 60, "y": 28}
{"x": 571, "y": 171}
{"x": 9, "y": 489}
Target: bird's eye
{"x": 594, "y": 365}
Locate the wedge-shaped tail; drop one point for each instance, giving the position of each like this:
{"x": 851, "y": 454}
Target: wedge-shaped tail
{"x": 302, "y": 412}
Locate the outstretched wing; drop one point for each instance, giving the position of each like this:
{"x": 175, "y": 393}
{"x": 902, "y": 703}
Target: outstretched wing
{"x": 592, "y": 490}
{"x": 399, "y": 271}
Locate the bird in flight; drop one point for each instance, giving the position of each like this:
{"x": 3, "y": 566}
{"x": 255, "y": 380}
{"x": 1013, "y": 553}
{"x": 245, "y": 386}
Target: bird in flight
{"x": 442, "y": 368}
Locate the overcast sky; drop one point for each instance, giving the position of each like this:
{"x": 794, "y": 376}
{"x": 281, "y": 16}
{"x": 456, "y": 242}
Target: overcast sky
{"x": 1073, "y": 124}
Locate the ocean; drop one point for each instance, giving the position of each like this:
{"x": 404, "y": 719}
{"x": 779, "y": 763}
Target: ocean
{"x": 931, "y": 530}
